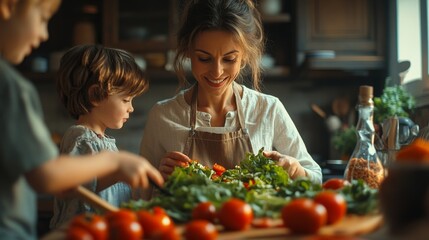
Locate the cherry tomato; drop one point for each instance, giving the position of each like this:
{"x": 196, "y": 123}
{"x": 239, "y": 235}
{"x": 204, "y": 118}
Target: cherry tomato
{"x": 219, "y": 169}
{"x": 205, "y": 211}
{"x": 335, "y": 183}
{"x": 334, "y": 203}
{"x": 95, "y": 224}
{"x": 200, "y": 230}
{"x": 249, "y": 184}
{"x": 154, "y": 223}
{"x": 78, "y": 233}
{"x": 123, "y": 224}
{"x": 304, "y": 216}
{"x": 235, "y": 214}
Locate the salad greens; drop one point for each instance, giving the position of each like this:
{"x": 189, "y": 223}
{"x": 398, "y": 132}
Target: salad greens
{"x": 257, "y": 180}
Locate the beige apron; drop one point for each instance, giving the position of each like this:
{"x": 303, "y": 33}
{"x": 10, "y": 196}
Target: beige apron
{"x": 226, "y": 149}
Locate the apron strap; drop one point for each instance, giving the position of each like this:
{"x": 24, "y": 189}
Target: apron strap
{"x": 239, "y": 108}
{"x": 193, "y": 115}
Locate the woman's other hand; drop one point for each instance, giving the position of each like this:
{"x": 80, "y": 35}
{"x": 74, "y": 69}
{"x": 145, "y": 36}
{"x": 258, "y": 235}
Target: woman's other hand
{"x": 290, "y": 164}
{"x": 172, "y": 160}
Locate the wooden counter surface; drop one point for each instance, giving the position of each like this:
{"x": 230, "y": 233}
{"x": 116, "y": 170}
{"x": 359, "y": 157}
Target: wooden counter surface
{"x": 351, "y": 226}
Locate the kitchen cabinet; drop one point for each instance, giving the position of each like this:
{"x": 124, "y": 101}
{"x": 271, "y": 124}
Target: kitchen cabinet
{"x": 342, "y": 34}
{"x": 148, "y": 29}
{"x": 279, "y": 25}
{"x": 139, "y": 26}
{"x": 145, "y": 28}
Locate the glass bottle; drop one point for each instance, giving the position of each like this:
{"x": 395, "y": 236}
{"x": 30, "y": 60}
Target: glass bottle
{"x": 364, "y": 162}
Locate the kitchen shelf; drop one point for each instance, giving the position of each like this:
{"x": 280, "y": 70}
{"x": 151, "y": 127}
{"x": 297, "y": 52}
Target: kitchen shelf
{"x": 279, "y": 18}
{"x": 347, "y": 63}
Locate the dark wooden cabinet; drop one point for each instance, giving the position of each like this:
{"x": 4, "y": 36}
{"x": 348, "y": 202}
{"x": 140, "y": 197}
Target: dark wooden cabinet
{"x": 351, "y": 33}
{"x": 139, "y": 26}
{"x": 148, "y": 28}
{"x": 279, "y": 25}
{"x": 144, "y": 28}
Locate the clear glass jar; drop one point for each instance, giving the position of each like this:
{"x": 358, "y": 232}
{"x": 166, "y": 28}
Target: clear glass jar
{"x": 364, "y": 162}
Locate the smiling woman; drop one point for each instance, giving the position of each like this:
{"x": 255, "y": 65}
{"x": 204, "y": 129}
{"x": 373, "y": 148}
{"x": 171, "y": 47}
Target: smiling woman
{"x": 219, "y": 119}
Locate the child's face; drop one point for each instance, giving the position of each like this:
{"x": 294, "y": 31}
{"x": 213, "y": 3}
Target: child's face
{"x": 113, "y": 111}
{"x": 26, "y": 28}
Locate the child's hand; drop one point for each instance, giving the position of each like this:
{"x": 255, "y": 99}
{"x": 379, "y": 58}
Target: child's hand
{"x": 135, "y": 170}
{"x": 172, "y": 160}
{"x": 290, "y": 164}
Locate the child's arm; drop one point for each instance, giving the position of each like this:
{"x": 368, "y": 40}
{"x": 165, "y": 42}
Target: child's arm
{"x": 66, "y": 172}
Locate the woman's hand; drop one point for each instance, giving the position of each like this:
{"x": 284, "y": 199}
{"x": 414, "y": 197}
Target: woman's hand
{"x": 172, "y": 160}
{"x": 288, "y": 163}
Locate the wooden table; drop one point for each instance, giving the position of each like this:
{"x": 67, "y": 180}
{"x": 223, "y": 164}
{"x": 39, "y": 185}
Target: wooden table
{"x": 351, "y": 226}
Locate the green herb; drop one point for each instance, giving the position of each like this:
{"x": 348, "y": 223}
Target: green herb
{"x": 360, "y": 198}
{"x": 268, "y": 189}
{"x": 394, "y": 101}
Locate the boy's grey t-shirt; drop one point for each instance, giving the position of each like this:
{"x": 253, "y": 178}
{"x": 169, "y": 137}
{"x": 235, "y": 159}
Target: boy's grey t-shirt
{"x": 79, "y": 140}
{"x": 26, "y": 144}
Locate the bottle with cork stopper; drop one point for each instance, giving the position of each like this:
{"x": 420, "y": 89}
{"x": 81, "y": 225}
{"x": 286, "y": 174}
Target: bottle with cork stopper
{"x": 364, "y": 162}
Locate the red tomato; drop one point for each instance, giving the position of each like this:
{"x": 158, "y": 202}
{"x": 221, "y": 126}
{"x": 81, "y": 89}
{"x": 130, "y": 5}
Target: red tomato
{"x": 219, "y": 169}
{"x": 200, "y": 230}
{"x": 205, "y": 211}
{"x": 335, "y": 183}
{"x": 95, "y": 224}
{"x": 154, "y": 223}
{"x": 78, "y": 233}
{"x": 123, "y": 224}
{"x": 334, "y": 203}
{"x": 304, "y": 216}
{"x": 249, "y": 184}
{"x": 235, "y": 214}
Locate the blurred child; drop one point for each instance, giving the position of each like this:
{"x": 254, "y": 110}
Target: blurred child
{"x": 97, "y": 85}
{"x": 29, "y": 160}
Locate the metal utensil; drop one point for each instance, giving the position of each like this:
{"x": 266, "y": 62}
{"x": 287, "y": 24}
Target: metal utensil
{"x": 159, "y": 188}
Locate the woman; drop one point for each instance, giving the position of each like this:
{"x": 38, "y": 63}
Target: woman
{"x": 218, "y": 120}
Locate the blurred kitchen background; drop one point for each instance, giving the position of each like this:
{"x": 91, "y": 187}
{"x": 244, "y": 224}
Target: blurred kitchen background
{"x": 318, "y": 53}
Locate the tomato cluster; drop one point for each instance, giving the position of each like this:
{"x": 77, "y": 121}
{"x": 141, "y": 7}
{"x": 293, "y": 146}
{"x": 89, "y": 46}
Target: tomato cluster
{"x": 305, "y": 215}
{"x": 123, "y": 224}
{"x": 87, "y": 226}
{"x": 301, "y": 215}
{"x": 234, "y": 214}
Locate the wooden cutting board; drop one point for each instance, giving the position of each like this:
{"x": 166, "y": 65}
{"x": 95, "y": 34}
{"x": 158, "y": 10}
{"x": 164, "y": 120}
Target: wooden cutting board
{"x": 351, "y": 225}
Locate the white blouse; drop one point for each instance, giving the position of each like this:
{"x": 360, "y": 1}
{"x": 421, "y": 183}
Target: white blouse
{"x": 266, "y": 119}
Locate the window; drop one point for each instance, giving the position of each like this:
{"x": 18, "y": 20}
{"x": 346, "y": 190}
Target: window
{"x": 409, "y": 41}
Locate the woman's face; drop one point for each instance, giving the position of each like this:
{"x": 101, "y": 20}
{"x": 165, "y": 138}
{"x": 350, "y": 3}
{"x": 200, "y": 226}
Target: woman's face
{"x": 216, "y": 59}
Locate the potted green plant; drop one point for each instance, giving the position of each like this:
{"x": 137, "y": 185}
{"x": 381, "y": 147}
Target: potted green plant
{"x": 394, "y": 101}
{"x": 344, "y": 141}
